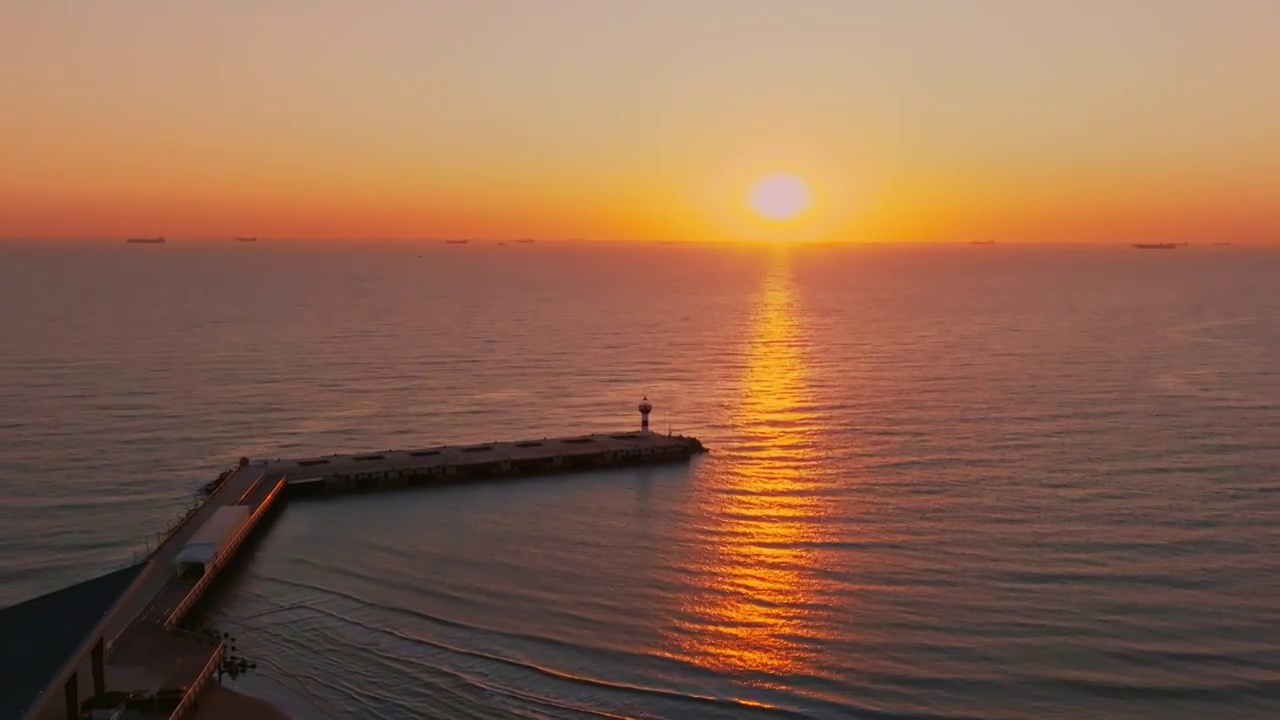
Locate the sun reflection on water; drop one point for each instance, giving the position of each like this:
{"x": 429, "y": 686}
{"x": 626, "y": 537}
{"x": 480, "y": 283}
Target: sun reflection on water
{"x": 750, "y": 613}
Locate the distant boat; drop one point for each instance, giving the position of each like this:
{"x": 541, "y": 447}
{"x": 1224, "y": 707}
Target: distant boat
{"x": 1155, "y": 246}
{"x": 145, "y": 241}
{"x": 252, "y": 239}
{"x": 456, "y": 242}
{"x": 982, "y": 242}
{"x": 525, "y": 241}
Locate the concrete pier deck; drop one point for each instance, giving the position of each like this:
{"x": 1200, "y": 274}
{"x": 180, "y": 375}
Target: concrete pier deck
{"x": 153, "y": 653}
{"x": 458, "y": 463}
{"x": 144, "y": 649}
{"x": 147, "y": 649}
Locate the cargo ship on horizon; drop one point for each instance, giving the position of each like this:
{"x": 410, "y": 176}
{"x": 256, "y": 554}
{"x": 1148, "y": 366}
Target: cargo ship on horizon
{"x": 1155, "y": 246}
{"x": 145, "y": 241}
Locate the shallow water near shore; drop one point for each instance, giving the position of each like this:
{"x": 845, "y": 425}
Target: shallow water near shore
{"x": 945, "y": 482}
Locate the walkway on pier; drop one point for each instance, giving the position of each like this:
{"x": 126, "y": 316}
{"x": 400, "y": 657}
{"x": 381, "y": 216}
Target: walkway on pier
{"x": 151, "y": 653}
{"x": 160, "y": 563}
{"x": 145, "y": 651}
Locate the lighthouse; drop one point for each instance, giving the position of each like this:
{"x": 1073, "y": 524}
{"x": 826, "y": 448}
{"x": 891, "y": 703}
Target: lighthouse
{"x": 645, "y": 408}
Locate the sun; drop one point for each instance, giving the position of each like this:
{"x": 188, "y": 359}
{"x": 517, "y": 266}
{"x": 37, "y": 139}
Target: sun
{"x": 780, "y": 196}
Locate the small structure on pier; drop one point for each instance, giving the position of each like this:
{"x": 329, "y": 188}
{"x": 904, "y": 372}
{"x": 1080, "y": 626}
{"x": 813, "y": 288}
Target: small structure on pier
{"x": 646, "y": 407}
{"x": 211, "y": 537}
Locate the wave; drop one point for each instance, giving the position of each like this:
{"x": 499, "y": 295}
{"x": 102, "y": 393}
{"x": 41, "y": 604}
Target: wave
{"x": 438, "y": 620}
{"x": 1185, "y": 690}
{"x": 559, "y": 675}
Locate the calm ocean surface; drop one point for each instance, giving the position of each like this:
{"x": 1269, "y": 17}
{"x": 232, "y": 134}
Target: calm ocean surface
{"x": 946, "y": 482}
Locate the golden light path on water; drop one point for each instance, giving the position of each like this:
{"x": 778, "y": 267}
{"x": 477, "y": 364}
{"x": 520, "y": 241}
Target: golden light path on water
{"x": 750, "y": 615}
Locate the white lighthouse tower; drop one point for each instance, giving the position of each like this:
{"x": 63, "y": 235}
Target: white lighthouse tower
{"x": 645, "y": 408}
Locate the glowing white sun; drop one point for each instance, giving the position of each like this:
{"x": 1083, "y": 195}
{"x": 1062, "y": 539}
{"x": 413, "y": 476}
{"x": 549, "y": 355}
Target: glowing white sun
{"x": 780, "y": 196}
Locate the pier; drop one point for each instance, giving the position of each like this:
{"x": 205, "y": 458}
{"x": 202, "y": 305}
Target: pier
{"x": 460, "y": 463}
{"x": 140, "y": 656}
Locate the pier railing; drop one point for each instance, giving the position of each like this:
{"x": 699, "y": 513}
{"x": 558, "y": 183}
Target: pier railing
{"x": 176, "y": 523}
{"x": 152, "y": 571}
{"x": 193, "y": 690}
{"x": 224, "y": 556}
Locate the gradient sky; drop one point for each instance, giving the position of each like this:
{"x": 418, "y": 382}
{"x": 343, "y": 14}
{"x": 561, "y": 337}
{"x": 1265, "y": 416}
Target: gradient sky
{"x": 648, "y": 119}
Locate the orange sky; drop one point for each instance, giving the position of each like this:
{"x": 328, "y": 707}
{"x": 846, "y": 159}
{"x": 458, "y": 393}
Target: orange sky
{"x": 920, "y": 121}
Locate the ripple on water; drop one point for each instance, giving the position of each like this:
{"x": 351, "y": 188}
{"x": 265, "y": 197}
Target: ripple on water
{"x": 1038, "y": 482}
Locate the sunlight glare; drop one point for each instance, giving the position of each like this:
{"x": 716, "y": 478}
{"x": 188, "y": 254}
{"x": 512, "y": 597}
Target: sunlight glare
{"x": 751, "y": 614}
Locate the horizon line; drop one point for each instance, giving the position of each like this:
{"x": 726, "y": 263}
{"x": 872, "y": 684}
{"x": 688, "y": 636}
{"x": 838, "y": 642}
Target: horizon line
{"x": 628, "y": 241}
